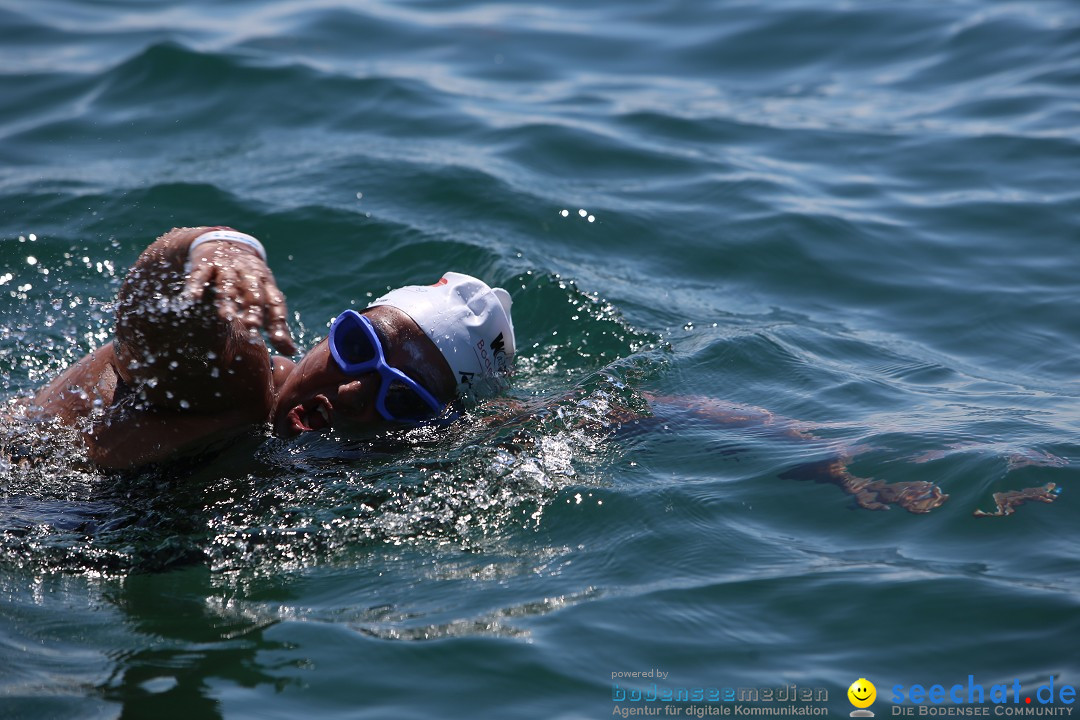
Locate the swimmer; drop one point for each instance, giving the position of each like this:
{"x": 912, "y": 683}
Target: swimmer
{"x": 188, "y": 369}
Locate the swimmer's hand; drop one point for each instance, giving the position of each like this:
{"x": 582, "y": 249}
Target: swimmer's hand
{"x": 916, "y": 496}
{"x": 1007, "y": 502}
{"x": 241, "y": 287}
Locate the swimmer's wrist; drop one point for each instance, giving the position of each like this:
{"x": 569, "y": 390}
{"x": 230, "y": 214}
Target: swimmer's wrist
{"x": 229, "y": 236}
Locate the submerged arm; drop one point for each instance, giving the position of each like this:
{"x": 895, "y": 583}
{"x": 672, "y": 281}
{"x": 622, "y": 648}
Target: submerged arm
{"x": 914, "y": 496}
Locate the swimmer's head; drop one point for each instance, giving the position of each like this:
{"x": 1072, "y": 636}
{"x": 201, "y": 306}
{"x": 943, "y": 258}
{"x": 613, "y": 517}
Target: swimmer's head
{"x": 453, "y": 339}
{"x": 470, "y": 324}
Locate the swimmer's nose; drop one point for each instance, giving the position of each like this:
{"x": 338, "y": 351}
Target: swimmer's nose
{"x": 356, "y": 399}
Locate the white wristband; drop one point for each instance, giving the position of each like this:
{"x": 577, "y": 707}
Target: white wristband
{"x": 224, "y": 236}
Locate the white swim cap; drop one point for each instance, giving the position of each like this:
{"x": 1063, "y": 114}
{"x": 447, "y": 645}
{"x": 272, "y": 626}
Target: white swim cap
{"x": 470, "y": 324}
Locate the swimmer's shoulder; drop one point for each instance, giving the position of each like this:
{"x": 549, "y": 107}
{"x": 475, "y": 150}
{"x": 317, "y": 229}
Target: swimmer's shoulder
{"x": 90, "y": 383}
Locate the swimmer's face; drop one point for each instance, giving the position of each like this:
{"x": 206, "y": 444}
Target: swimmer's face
{"x": 318, "y": 395}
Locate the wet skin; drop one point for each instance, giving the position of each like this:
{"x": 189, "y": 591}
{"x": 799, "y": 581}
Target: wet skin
{"x": 188, "y": 365}
{"x": 188, "y": 368}
{"x": 316, "y": 394}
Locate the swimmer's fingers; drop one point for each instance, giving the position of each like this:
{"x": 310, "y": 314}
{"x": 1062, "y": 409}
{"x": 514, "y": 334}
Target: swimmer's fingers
{"x": 243, "y": 300}
{"x": 226, "y": 299}
{"x": 277, "y": 325}
{"x": 204, "y": 264}
{"x": 222, "y": 286}
{"x": 1007, "y": 502}
{"x": 248, "y": 297}
{"x": 199, "y": 278}
{"x": 261, "y": 305}
{"x": 219, "y": 266}
{"x": 921, "y": 497}
{"x": 869, "y": 500}
{"x": 243, "y": 289}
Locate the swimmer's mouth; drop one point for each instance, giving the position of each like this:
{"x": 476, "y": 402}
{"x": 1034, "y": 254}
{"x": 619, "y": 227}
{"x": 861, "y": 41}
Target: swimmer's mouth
{"x": 315, "y": 414}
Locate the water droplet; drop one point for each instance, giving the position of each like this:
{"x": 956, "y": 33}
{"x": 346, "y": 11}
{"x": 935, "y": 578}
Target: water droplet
{"x": 31, "y": 260}
{"x": 592, "y": 218}
{"x": 184, "y": 404}
{"x": 359, "y": 196}
{"x": 564, "y": 213}
{"x": 158, "y": 685}
{"x": 582, "y": 212}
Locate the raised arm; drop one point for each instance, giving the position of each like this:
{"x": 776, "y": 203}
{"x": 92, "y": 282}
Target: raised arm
{"x": 187, "y": 323}
{"x": 188, "y": 363}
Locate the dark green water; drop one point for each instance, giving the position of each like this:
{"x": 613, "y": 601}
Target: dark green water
{"x": 863, "y": 216}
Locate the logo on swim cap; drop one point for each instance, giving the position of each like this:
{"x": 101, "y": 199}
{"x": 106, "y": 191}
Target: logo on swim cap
{"x": 470, "y": 324}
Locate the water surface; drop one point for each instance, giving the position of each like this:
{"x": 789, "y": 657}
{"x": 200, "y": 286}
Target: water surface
{"x": 861, "y": 216}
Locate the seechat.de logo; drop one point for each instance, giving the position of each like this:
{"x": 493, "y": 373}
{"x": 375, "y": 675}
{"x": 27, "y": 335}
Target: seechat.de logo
{"x": 862, "y": 694}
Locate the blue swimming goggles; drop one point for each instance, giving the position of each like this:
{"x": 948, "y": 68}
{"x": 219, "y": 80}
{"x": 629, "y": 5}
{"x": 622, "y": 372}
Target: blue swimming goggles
{"x": 357, "y": 350}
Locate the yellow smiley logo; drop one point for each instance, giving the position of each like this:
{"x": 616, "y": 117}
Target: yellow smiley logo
{"x": 862, "y": 693}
